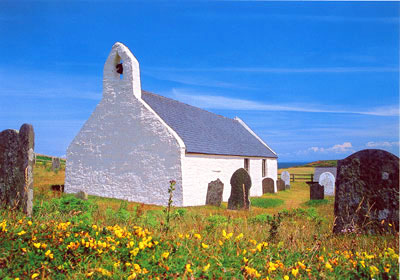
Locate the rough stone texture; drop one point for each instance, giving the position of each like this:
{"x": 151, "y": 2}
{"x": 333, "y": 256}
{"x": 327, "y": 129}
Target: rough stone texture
{"x": 367, "y": 192}
{"x": 280, "y": 185}
{"x": 268, "y": 185}
{"x": 125, "y": 150}
{"x": 214, "y": 193}
{"x": 316, "y": 190}
{"x": 327, "y": 180}
{"x": 241, "y": 184}
{"x": 319, "y": 170}
{"x": 16, "y": 168}
{"x": 55, "y": 163}
{"x": 285, "y": 176}
{"x": 82, "y": 195}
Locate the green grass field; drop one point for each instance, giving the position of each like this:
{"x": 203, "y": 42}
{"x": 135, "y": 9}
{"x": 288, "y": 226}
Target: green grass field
{"x": 283, "y": 236}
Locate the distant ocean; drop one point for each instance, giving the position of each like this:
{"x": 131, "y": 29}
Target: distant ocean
{"x": 290, "y": 164}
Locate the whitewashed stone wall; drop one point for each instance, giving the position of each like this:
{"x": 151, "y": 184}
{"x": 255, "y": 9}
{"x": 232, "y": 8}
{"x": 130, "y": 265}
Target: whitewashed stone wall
{"x": 199, "y": 170}
{"x": 125, "y": 150}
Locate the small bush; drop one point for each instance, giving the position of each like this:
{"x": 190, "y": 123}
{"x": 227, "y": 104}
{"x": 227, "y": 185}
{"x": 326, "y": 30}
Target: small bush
{"x": 179, "y": 213}
{"x": 214, "y": 221}
{"x": 265, "y": 202}
{"x": 260, "y": 219}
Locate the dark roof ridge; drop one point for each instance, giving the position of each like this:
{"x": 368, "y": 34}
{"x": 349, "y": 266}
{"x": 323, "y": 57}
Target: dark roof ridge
{"x": 197, "y": 108}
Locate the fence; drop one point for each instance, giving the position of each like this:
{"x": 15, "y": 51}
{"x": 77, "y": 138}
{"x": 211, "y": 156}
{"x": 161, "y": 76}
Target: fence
{"x": 300, "y": 177}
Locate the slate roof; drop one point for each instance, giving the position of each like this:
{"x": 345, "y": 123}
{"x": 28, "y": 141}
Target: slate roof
{"x": 205, "y": 132}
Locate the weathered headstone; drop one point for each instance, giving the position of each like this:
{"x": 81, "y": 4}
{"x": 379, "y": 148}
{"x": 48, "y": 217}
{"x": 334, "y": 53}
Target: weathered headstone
{"x": 214, "y": 193}
{"x": 316, "y": 190}
{"x": 16, "y": 168}
{"x": 319, "y": 170}
{"x": 241, "y": 184}
{"x": 280, "y": 184}
{"x": 285, "y": 176}
{"x": 82, "y": 195}
{"x": 268, "y": 185}
{"x": 327, "y": 180}
{"x": 367, "y": 192}
{"x": 55, "y": 163}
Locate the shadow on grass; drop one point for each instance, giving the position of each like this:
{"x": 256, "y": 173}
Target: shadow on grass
{"x": 263, "y": 202}
{"x": 316, "y": 202}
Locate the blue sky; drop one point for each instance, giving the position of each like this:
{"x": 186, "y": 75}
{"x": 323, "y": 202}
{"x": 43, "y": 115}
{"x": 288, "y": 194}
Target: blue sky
{"x": 315, "y": 80}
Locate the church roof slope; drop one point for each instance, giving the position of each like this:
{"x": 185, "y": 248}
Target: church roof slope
{"x": 205, "y": 132}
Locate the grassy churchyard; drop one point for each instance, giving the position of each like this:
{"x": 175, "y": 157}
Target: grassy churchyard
{"x": 283, "y": 236}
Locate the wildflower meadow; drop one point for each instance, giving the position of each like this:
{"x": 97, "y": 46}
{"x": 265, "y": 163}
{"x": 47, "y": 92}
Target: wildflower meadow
{"x": 283, "y": 236}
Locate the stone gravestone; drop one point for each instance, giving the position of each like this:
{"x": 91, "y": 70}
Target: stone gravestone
{"x": 214, "y": 193}
{"x": 16, "y": 168}
{"x": 280, "y": 184}
{"x": 316, "y": 190}
{"x": 327, "y": 180}
{"x": 319, "y": 170}
{"x": 241, "y": 184}
{"x": 81, "y": 195}
{"x": 285, "y": 176}
{"x": 55, "y": 163}
{"x": 367, "y": 192}
{"x": 268, "y": 185}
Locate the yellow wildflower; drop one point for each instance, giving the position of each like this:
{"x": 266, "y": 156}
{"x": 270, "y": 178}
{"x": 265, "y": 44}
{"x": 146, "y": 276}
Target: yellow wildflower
{"x": 245, "y": 259}
{"x": 240, "y": 236}
{"x": 137, "y": 268}
{"x": 34, "y": 275}
{"x": 295, "y": 272}
{"x": 286, "y": 277}
{"x": 21, "y": 232}
{"x": 37, "y": 245}
{"x": 373, "y": 270}
{"x": 132, "y": 276}
{"x": 328, "y": 266}
{"x": 188, "y": 268}
{"x": 89, "y": 274}
{"x": 301, "y": 265}
{"x": 387, "y": 268}
{"x": 23, "y": 250}
{"x": 49, "y": 254}
{"x": 198, "y": 236}
{"x": 220, "y": 243}
{"x": 253, "y": 241}
{"x": 252, "y": 272}
{"x": 205, "y": 268}
{"x": 116, "y": 264}
{"x": 165, "y": 255}
{"x": 29, "y": 223}
{"x": 205, "y": 246}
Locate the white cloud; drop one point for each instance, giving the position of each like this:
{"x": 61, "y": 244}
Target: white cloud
{"x": 338, "y": 148}
{"x": 385, "y": 144}
{"x": 228, "y": 103}
{"x": 280, "y": 70}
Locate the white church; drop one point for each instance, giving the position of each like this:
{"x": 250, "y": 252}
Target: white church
{"x": 135, "y": 142}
